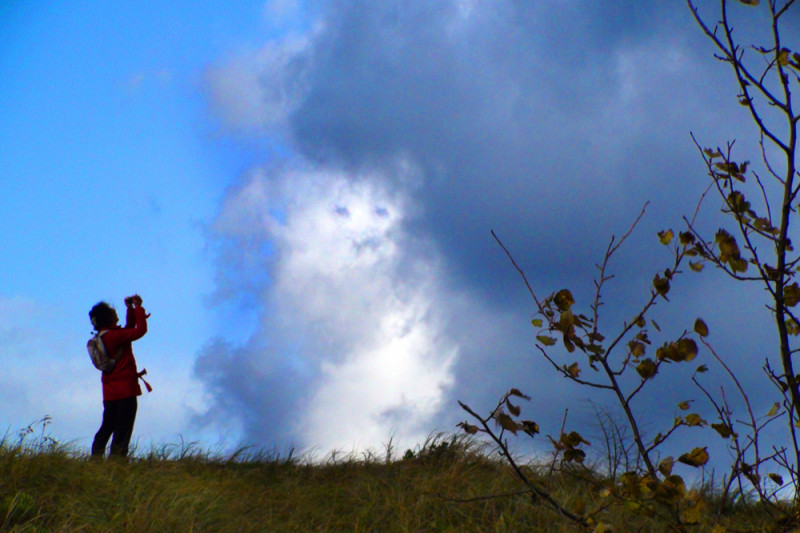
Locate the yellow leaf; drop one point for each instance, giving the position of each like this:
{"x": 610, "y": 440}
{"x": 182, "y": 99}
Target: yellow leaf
{"x": 470, "y": 429}
{"x": 686, "y": 238}
{"x": 684, "y": 405}
{"x": 563, "y": 300}
{"x": 694, "y": 513}
{"x": 791, "y": 294}
{"x": 665, "y": 236}
{"x": 776, "y": 478}
{"x": 573, "y": 370}
{"x": 537, "y": 322}
{"x": 518, "y": 393}
{"x": 647, "y": 368}
{"x": 696, "y": 266}
{"x": 723, "y": 429}
{"x": 506, "y": 422}
{"x": 697, "y": 457}
{"x": 572, "y": 439}
{"x": 637, "y": 348}
{"x": 700, "y": 327}
{"x": 694, "y": 419}
{"x": 661, "y": 285}
{"x": 774, "y": 409}
{"x": 750, "y": 2}
{"x": 665, "y": 466}
{"x": 687, "y": 349}
{"x": 530, "y": 427}
{"x": 783, "y": 57}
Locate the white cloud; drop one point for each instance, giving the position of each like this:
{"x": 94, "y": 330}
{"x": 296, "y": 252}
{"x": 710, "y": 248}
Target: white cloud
{"x": 352, "y": 298}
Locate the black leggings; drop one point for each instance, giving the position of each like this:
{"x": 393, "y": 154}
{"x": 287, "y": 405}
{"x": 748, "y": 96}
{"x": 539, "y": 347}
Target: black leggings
{"x": 118, "y": 419}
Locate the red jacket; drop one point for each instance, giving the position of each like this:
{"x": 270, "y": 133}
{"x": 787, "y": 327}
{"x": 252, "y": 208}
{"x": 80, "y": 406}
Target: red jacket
{"x": 123, "y": 381}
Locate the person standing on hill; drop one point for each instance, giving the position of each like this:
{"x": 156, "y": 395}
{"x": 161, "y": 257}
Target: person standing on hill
{"x": 121, "y": 383}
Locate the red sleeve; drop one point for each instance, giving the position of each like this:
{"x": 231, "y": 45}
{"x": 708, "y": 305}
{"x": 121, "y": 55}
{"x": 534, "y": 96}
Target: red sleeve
{"x": 134, "y": 331}
{"x": 130, "y": 318}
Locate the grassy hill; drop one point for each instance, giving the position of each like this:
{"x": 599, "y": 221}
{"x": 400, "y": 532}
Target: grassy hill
{"x": 446, "y": 484}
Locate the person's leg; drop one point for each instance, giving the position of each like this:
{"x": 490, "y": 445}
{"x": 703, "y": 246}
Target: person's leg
{"x": 123, "y": 426}
{"x": 105, "y": 431}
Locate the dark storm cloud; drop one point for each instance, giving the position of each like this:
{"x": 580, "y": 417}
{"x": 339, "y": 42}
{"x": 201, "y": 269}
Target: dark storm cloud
{"x": 526, "y": 120}
{"x": 240, "y": 383}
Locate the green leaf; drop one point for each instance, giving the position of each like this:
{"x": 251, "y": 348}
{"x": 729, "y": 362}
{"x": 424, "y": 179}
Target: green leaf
{"x": 684, "y": 406}
{"x": 702, "y": 368}
{"x": 537, "y": 322}
{"x": 547, "y": 341}
{"x": 700, "y": 327}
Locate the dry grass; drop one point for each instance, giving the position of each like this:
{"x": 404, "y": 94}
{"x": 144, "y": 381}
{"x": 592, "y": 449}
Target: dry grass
{"x": 441, "y": 486}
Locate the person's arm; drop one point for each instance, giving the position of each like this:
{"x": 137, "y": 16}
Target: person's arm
{"x": 130, "y": 316}
{"x": 136, "y": 320}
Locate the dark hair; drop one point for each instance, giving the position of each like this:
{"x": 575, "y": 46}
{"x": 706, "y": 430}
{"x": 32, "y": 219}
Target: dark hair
{"x": 102, "y": 316}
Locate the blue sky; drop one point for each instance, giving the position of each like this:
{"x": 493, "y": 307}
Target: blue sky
{"x": 302, "y": 192}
